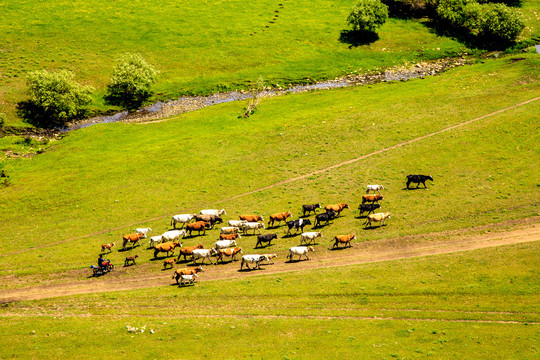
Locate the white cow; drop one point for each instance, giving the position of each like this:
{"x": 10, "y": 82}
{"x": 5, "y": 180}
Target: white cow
{"x": 300, "y": 251}
{"x": 229, "y": 230}
{"x": 224, "y": 244}
{"x": 253, "y": 259}
{"x": 181, "y": 218}
{"x": 237, "y": 223}
{"x": 378, "y": 217}
{"x": 311, "y": 236}
{"x": 374, "y": 188}
{"x": 188, "y": 279}
{"x": 155, "y": 240}
{"x": 213, "y": 212}
{"x": 172, "y": 235}
{"x": 143, "y": 231}
{"x": 203, "y": 254}
{"x": 252, "y": 226}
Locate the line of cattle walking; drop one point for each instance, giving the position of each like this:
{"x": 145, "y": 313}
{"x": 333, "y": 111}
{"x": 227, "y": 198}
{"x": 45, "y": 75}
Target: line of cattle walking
{"x": 226, "y": 246}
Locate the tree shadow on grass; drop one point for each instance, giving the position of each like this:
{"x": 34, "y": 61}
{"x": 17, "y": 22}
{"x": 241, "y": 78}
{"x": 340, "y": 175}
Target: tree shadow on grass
{"x": 357, "y": 38}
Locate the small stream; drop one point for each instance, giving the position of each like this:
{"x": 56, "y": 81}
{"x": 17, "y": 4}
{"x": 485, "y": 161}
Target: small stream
{"x": 165, "y": 109}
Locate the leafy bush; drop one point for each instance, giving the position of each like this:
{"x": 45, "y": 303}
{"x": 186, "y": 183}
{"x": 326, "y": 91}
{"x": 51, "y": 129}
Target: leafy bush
{"x": 131, "y": 82}
{"x": 55, "y": 98}
{"x": 368, "y": 15}
{"x": 494, "y": 22}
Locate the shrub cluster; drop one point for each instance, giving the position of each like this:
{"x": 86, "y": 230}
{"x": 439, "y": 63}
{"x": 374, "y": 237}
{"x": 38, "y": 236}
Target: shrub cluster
{"x": 367, "y": 15}
{"x": 56, "y": 98}
{"x": 494, "y": 22}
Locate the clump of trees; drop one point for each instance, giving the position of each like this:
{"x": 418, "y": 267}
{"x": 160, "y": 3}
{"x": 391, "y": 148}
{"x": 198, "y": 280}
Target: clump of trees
{"x": 55, "y": 98}
{"x": 131, "y": 81}
{"x": 367, "y": 15}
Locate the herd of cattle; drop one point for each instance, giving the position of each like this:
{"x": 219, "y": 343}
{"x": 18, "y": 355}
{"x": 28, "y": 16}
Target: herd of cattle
{"x": 226, "y": 246}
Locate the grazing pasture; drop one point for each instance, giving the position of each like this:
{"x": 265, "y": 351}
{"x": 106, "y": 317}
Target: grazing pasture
{"x": 87, "y": 190}
{"x": 466, "y": 304}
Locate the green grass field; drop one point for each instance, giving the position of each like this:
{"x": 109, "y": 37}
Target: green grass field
{"x": 201, "y": 47}
{"x": 470, "y": 305}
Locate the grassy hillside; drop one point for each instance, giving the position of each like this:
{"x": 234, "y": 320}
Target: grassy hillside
{"x": 106, "y": 179}
{"x": 199, "y": 46}
{"x": 463, "y": 306}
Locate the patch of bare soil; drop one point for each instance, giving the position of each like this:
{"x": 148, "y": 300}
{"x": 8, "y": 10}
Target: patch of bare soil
{"x": 522, "y": 231}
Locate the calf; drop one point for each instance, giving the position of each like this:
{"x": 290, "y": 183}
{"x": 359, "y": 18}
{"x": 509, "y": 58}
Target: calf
{"x": 186, "y": 271}
{"x": 379, "y": 217}
{"x": 269, "y": 257}
{"x": 368, "y": 207}
{"x": 326, "y": 217}
{"x": 252, "y": 259}
{"x": 107, "y": 247}
{"x": 299, "y": 251}
{"x": 130, "y": 259}
{"x": 279, "y": 217}
{"x": 266, "y": 238}
{"x": 343, "y": 239}
{"x": 169, "y": 262}
{"x": 231, "y": 252}
{"x": 188, "y": 279}
{"x": 418, "y": 179}
{"x": 309, "y": 208}
{"x": 297, "y": 224}
{"x": 374, "y": 188}
{"x": 143, "y": 231}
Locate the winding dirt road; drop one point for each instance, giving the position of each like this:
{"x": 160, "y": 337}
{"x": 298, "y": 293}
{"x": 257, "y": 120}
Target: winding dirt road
{"x": 524, "y": 231}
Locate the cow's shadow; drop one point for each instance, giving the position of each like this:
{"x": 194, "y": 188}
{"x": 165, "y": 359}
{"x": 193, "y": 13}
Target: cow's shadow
{"x": 338, "y": 248}
{"x": 128, "y": 249}
{"x": 248, "y": 270}
{"x": 415, "y": 188}
{"x": 291, "y": 261}
{"x": 372, "y": 227}
{"x": 263, "y": 247}
{"x": 310, "y": 244}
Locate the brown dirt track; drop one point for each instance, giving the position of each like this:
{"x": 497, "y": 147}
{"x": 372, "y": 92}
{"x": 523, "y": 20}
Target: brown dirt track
{"x": 521, "y": 231}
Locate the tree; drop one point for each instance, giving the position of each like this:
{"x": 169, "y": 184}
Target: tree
{"x": 256, "y": 94}
{"x": 131, "y": 81}
{"x": 368, "y": 15}
{"x": 55, "y": 98}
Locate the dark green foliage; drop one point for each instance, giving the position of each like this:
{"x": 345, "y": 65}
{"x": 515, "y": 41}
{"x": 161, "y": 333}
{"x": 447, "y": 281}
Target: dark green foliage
{"x": 368, "y": 15}
{"x": 55, "y": 98}
{"x": 131, "y": 82}
{"x": 494, "y": 24}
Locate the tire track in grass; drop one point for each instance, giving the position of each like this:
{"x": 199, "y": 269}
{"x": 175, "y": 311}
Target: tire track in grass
{"x": 284, "y": 182}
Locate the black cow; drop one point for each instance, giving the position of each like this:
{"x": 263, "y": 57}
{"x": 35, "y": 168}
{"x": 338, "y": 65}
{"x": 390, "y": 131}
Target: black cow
{"x": 310, "y": 208}
{"x": 418, "y": 179}
{"x": 327, "y": 216}
{"x": 368, "y": 207}
{"x": 297, "y": 224}
{"x": 265, "y": 238}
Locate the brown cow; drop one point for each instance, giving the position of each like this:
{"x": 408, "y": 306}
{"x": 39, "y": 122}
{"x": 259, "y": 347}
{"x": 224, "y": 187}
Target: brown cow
{"x": 229, "y": 236}
{"x": 130, "y": 259}
{"x": 338, "y": 208}
{"x": 188, "y": 251}
{"x": 132, "y": 239}
{"x": 166, "y": 247}
{"x": 343, "y": 239}
{"x": 371, "y": 198}
{"x": 251, "y": 218}
{"x": 230, "y": 252}
{"x": 198, "y": 226}
{"x": 107, "y": 247}
{"x": 279, "y": 217}
{"x": 169, "y": 262}
{"x": 212, "y": 219}
{"x": 186, "y": 271}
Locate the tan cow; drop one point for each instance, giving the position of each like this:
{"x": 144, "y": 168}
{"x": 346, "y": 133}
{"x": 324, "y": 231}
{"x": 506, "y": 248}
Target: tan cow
{"x": 337, "y": 208}
{"x": 379, "y": 217}
{"x": 343, "y": 239}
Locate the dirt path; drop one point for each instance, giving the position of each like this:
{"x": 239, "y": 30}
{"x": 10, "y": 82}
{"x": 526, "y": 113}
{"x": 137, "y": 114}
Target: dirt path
{"x": 369, "y": 252}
